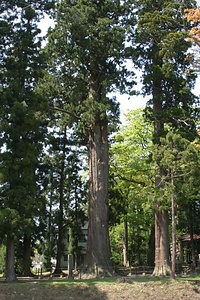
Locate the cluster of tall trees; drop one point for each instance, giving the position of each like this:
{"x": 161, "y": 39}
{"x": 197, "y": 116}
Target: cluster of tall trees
{"x": 57, "y": 121}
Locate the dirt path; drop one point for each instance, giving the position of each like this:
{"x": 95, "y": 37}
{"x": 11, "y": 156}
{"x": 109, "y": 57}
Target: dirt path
{"x": 131, "y": 290}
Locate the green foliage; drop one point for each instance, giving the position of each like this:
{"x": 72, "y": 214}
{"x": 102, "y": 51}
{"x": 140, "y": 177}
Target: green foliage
{"x": 180, "y": 160}
{"x": 86, "y": 53}
{"x": 85, "y": 60}
{"x": 64, "y": 188}
{"x": 162, "y": 49}
{"x": 131, "y": 186}
{"x": 2, "y": 258}
{"x": 168, "y": 74}
{"x": 116, "y": 243}
{"x": 130, "y": 156}
{"x": 178, "y": 157}
{"x": 21, "y": 124}
{"x": 10, "y": 220}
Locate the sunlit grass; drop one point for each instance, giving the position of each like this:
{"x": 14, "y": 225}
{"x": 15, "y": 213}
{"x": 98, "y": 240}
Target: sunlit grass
{"x": 112, "y": 280}
{"x": 189, "y": 277}
{"x": 107, "y": 280}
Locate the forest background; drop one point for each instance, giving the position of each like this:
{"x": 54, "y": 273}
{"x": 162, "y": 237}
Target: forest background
{"x": 62, "y": 163}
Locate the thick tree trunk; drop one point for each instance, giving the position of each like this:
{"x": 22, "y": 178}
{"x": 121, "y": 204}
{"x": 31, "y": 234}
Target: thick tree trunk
{"x": 26, "y": 256}
{"x": 98, "y": 253}
{"x": 162, "y": 267}
{"x": 10, "y": 259}
{"x": 98, "y": 247}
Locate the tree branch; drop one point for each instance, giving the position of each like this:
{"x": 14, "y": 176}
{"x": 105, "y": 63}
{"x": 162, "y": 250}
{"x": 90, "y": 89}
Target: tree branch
{"x": 132, "y": 180}
{"x": 65, "y": 111}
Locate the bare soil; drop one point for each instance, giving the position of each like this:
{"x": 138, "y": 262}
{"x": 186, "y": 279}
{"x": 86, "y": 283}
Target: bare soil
{"x": 115, "y": 289}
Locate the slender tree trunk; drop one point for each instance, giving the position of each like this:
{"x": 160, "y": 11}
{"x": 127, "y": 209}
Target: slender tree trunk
{"x": 173, "y": 231}
{"x": 26, "y": 256}
{"x": 125, "y": 245}
{"x": 76, "y": 240}
{"x": 193, "y": 258}
{"x": 58, "y": 268}
{"x": 49, "y": 238}
{"x": 75, "y": 262}
{"x": 181, "y": 253}
{"x": 151, "y": 250}
{"x": 10, "y": 258}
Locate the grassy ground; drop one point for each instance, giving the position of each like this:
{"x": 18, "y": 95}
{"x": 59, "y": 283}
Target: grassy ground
{"x": 116, "y": 288}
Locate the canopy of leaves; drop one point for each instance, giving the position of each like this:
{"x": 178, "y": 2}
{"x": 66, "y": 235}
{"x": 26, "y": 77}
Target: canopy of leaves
{"x": 131, "y": 168}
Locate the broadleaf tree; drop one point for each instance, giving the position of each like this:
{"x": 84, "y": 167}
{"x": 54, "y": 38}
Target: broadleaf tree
{"x": 132, "y": 172}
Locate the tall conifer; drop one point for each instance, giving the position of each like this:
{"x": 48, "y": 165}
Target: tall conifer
{"x": 22, "y": 131}
{"x": 162, "y": 50}
{"x": 86, "y": 49}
